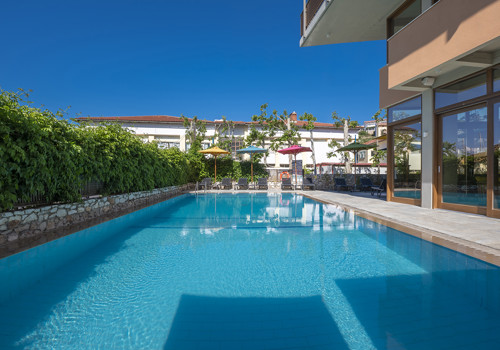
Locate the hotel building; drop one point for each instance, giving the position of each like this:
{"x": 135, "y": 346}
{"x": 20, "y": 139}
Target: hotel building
{"x": 169, "y": 131}
{"x": 441, "y": 88}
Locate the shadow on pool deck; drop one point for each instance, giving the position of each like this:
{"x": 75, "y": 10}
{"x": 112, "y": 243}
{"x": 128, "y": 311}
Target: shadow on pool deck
{"x": 253, "y": 323}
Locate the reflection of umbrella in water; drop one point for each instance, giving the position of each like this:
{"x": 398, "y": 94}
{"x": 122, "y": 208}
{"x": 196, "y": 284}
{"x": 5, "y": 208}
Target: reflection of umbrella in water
{"x": 215, "y": 151}
{"x": 355, "y": 147}
{"x": 294, "y": 150}
{"x": 251, "y": 150}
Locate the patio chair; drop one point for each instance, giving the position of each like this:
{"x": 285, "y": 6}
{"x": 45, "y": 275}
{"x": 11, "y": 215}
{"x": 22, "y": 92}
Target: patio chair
{"x": 206, "y": 183}
{"x": 262, "y": 183}
{"x": 308, "y": 182}
{"x": 380, "y": 188}
{"x": 365, "y": 184}
{"x": 242, "y": 184}
{"x": 286, "y": 182}
{"x": 341, "y": 185}
{"x": 226, "y": 184}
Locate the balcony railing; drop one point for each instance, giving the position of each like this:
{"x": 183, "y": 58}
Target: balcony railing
{"x": 312, "y": 7}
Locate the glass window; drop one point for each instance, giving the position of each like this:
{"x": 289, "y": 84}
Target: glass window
{"x": 405, "y": 110}
{"x": 400, "y": 20}
{"x": 464, "y": 157}
{"x": 407, "y": 160}
{"x": 496, "y": 156}
{"x": 461, "y": 91}
{"x": 496, "y": 80}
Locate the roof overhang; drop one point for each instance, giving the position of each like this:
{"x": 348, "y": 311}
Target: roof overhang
{"x": 345, "y": 21}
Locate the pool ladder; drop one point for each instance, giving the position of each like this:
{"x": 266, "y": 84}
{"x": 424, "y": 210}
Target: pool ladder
{"x": 197, "y": 188}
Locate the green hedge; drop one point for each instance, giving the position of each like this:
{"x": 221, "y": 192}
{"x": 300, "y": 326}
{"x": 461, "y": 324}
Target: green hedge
{"x": 45, "y": 155}
{"x": 227, "y": 167}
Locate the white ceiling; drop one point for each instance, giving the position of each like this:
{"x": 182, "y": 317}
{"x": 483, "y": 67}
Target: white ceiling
{"x": 343, "y": 21}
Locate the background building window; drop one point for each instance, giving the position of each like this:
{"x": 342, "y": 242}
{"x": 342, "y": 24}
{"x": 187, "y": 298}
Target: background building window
{"x": 404, "y": 15}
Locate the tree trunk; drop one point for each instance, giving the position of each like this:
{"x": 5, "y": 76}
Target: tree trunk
{"x": 289, "y": 127}
{"x": 312, "y": 148}
{"x": 346, "y": 142}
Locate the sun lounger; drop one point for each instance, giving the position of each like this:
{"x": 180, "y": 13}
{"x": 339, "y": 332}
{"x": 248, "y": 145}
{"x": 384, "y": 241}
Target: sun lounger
{"x": 226, "y": 184}
{"x": 341, "y": 185}
{"x": 206, "y": 183}
{"x": 365, "y": 184}
{"x": 308, "y": 182}
{"x": 286, "y": 182}
{"x": 262, "y": 183}
{"x": 380, "y": 188}
{"x": 242, "y": 184}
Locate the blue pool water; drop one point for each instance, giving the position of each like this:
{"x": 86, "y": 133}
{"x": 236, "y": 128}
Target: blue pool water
{"x": 246, "y": 271}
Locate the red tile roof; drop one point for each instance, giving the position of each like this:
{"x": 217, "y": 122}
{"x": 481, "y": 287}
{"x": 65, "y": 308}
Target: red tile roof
{"x": 140, "y": 118}
{"x": 171, "y": 119}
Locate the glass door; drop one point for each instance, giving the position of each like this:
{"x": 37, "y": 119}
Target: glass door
{"x": 462, "y": 168}
{"x": 495, "y": 164}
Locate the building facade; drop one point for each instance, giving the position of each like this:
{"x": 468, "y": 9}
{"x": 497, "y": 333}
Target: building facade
{"x": 169, "y": 131}
{"x": 441, "y": 88}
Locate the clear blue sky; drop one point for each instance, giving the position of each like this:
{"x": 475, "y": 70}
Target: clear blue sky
{"x": 191, "y": 57}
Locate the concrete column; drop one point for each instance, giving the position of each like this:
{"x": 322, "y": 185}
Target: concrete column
{"x": 427, "y": 147}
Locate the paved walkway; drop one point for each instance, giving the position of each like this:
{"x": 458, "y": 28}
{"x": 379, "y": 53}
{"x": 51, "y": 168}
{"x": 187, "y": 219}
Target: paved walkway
{"x": 471, "y": 234}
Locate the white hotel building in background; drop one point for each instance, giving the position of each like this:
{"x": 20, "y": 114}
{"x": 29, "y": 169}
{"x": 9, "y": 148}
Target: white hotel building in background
{"x": 169, "y": 131}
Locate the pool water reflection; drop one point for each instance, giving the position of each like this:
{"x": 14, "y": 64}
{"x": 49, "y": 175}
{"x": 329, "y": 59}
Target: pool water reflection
{"x": 231, "y": 271}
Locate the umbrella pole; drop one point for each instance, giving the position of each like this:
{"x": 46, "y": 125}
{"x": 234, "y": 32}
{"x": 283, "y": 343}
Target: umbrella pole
{"x": 215, "y": 180}
{"x": 355, "y": 168}
{"x": 251, "y": 164}
{"x": 295, "y": 157}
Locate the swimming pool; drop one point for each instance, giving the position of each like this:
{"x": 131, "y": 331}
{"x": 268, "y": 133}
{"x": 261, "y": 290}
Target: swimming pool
{"x": 246, "y": 271}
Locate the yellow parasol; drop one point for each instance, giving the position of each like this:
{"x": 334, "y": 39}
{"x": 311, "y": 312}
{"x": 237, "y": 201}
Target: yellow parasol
{"x": 215, "y": 151}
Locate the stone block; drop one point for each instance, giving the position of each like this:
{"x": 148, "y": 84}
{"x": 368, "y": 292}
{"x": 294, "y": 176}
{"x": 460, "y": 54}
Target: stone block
{"x": 31, "y": 217}
{"x": 12, "y": 236}
{"x": 13, "y": 223}
{"x": 61, "y": 212}
{"x": 51, "y": 225}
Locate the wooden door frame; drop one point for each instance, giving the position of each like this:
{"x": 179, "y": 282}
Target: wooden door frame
{"x": 439, "y": 164}
{"x": 490, "y": 210}
{"x": 390, "y": 161}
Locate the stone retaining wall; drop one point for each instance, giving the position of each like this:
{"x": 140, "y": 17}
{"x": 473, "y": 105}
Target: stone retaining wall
{"x": 39, "y": 224}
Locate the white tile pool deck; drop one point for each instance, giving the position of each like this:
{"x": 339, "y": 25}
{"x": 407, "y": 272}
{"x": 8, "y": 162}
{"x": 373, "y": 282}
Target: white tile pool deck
{"x": 471, "y": 234}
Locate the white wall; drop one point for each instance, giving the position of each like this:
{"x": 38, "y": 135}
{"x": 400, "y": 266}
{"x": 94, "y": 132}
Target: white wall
{"x": 175, "y": 132}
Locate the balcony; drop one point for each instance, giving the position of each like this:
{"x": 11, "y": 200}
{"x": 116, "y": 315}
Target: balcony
{"x": 311, "y": 8}
{"x": 452, "y": 38}
{"x": 344, "y": 21}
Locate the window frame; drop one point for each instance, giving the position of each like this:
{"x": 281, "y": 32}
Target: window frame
{"x": 391, "y": 164}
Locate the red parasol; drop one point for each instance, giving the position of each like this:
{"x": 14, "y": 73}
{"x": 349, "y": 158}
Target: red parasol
{"x": 295, "y": 149}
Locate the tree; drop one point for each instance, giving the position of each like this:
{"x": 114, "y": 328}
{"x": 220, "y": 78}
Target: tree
{"x": 224, "y": 133}
{"x": 378, "y": 155}
{"x": 195, "y": 133}
{"x": 309, "y": 125}
{"x": 346, "y": 123}
{"x": 257, "y": 138}
{"x": 403, "y": 146}
{"x": 277, "y": 128}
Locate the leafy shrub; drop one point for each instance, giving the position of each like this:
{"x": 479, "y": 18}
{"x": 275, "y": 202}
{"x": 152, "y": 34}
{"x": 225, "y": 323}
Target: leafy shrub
{"x": 42, "y": 154}
{"x": 227, "y": 167}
